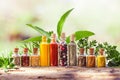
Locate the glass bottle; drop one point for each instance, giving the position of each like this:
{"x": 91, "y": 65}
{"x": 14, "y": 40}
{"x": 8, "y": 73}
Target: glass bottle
{"x": 91, "y": 59}
{"x": 63, "y": 51}
{"x": 25, "y": 58}
{"x": 16, "y": 57}
{"x": 53, "y": 51}
{"x": 101, "y": 59}
{"x": 72, "y": 57}
{"x": 44, "y": 52}
{"x": 82, "y": 58}
{"x": 34, "y": 58}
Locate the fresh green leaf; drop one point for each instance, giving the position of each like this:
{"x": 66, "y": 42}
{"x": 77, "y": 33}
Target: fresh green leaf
{"x": 68, "y": 39}
{"x": 40, "y": 30}
{"x": 62, "y": 21}
{"x": 38, "y": 38}
{"x": 82, "y": 34}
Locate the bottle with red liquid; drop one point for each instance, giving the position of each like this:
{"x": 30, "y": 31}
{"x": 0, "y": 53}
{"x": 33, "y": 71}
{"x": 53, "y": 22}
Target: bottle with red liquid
{"x": 63, "y": 51}
{"x": 25, "y": 58}
{"x": 53, "y": 51}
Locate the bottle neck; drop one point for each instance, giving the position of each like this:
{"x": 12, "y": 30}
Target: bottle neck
{"x": 53, "y": 40}
{"x": 44, "y": 40}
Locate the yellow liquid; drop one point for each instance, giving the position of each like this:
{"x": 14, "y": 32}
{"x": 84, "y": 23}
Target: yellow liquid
{"x": 101, "y": 61}
{"x": 34, "y": 60}
{"x": 44, "y": 54}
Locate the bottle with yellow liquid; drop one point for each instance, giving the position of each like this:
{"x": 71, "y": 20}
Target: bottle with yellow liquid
{"x": 44, "y": 52}
{"x": 101, "y": 59}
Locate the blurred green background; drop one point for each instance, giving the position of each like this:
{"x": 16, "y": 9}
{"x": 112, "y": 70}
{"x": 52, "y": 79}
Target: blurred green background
{"x": 99, "y": 16}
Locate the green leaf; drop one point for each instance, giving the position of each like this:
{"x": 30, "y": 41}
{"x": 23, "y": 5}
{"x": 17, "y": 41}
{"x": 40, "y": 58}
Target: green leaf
{"x": 38, "y": 38}
{"x": 68, "y": 39}
{"x": 40, "y": 30}
{"x": 62, "y": 21}
{"x": 82, "y": 34}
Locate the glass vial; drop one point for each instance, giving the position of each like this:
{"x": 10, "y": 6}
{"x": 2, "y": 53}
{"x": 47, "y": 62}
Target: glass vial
{"x": 25, "y": 58}
{"x": 91, "y": 60}
{"x": 72, "y": 58}
{"x": 63, "y": 51}
{"x": 82, "y": 58}
{"x": 53, "y": 51}
{"x": 101, "y": 59}
{"x": 44, "y": 52}
{"x": 34, "y": 58}
{"x": 16, "y": 57}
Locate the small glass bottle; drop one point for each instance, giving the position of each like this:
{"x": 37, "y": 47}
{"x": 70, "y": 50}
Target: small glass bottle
{"x": 34, "y": 58}
{"x": 63, "y": 51}
{"x": 25, "y": 58}
{"x": 72, "y": 57}
{"x": 101, "y": 59}
{"x": 53, "y": 51}
{"x": 44, "y": 52}
{"x": 16, "y": 57}
{"x": 82, "y": 58}
{"x": 91, "y": 59}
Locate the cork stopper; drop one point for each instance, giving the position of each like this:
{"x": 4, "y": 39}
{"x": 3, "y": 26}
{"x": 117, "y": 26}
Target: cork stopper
{"x": 25, "y": 50}
{"x": 63, "y": 36}
{"x": 81, "y": 51}
{"x": 44, "y": 39}
{"x": 35, "y": 50}
{"x": 101, "y": 51}
{"x": 53, "y": 36}
{"x": 72, "y": 37}
{"x": 16, "y": 50}
{"x": 91, "y": 51}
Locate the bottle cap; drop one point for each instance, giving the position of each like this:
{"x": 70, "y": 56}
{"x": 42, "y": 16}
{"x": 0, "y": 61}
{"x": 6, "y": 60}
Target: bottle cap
{"x": 63, "y": 35}
{"x": 16, "y": 49}
{"x": 53, "y": 35}
{"x": 25, "y": 49}
{"x": 72, "y": 37}
{"x": 91, "y": 51}
{"x": 81, "y": 51}
{"x": 35, "y": 50}
{"x": 101, "y": 51}
{"x": 44, "y": 38}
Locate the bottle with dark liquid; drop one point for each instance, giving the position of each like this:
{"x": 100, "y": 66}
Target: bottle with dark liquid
{"x": 82, "y": 58}
{"x": 63, "y": 51}
{"x": 16, "y": 57}
{"x": 25, "y": 58}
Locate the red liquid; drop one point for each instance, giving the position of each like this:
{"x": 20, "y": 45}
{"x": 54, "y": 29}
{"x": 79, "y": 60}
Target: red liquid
{"x": 54, "y": 54}
{"x": 24, "y": 61}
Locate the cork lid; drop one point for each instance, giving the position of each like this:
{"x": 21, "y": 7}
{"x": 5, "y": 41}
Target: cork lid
{"x": 91, "y": 51}
{"x": 63, "y": 35}
{"x": 101, "y": 51}
{"x": 35, "y": 50}
{"x": 44, "y": 39}
{"x": 25, "y": 49}
{"x": 53, "y": 35}
{"x": 81, "y": 51}
{"x": 16, "y": 49}
{"x": 72, "y": 37}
